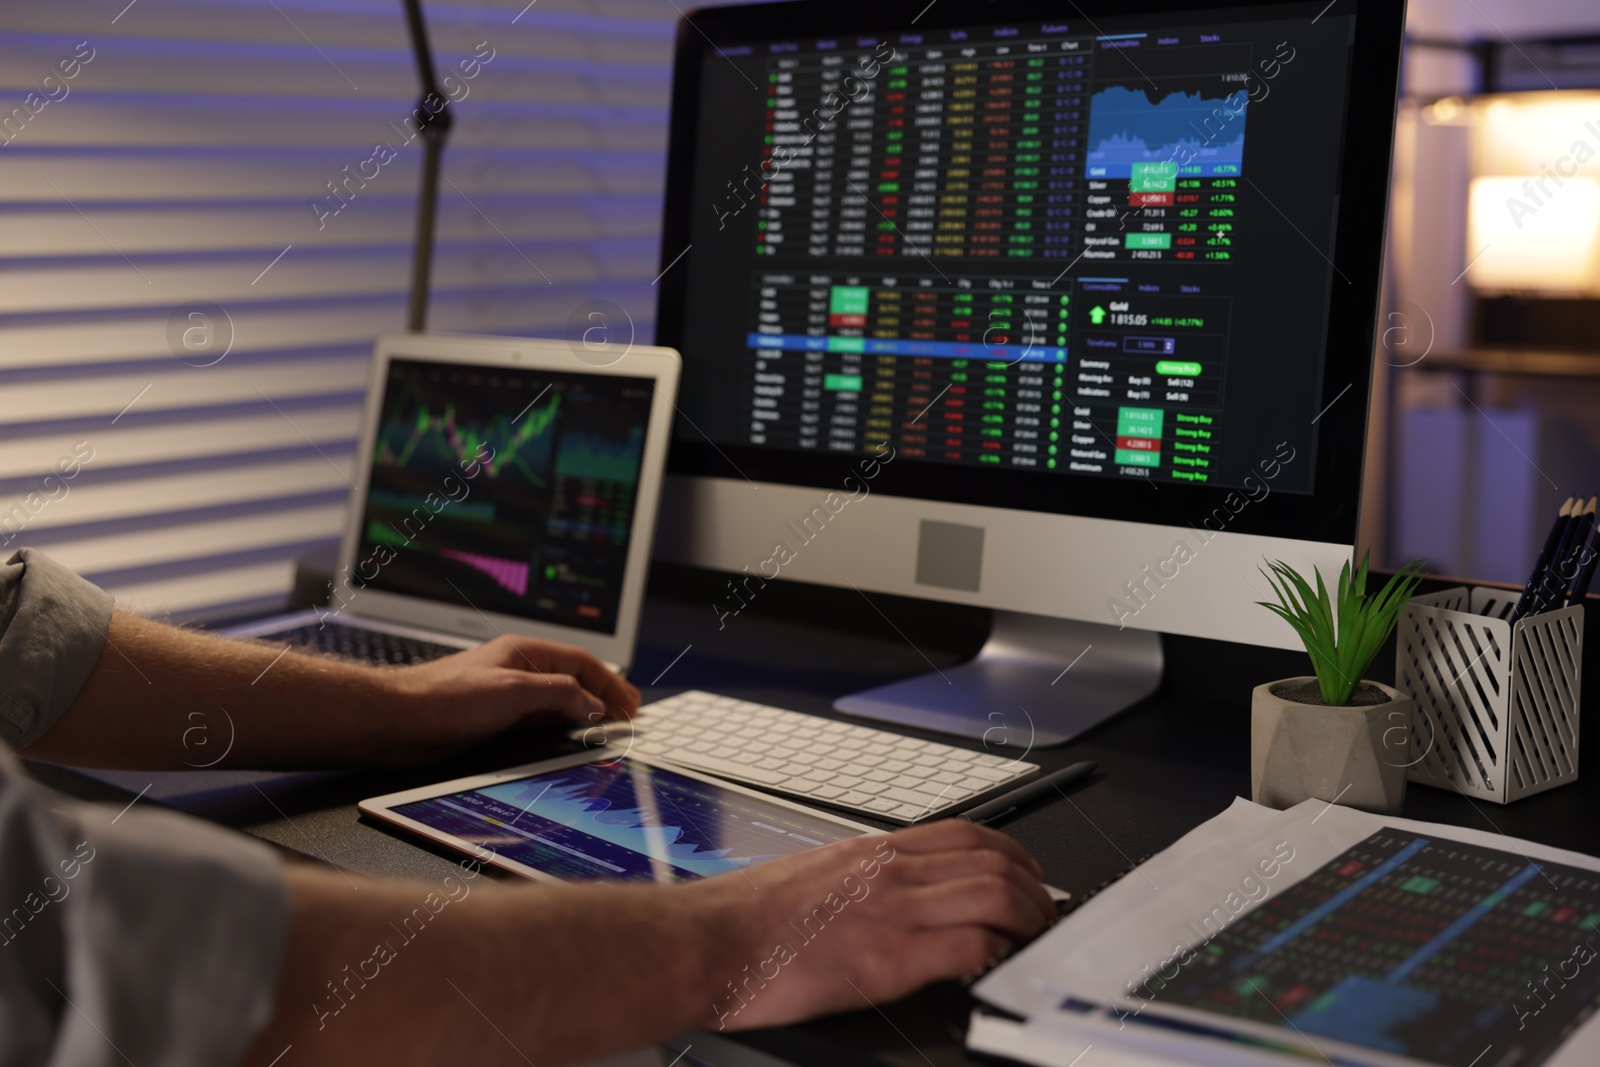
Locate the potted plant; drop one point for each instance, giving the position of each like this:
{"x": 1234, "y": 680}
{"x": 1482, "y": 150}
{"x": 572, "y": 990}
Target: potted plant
{"x": 1335, "y": 736}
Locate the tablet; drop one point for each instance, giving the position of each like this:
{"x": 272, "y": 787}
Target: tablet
{"x": 594, "y": 816}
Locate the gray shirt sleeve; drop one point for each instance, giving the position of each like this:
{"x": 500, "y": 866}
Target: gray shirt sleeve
{"x": 52, "y": 627}
{"x": 140, "y": 936}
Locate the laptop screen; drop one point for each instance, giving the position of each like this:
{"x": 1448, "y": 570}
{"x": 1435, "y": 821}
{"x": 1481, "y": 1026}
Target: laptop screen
{"x": 505, "y": 490}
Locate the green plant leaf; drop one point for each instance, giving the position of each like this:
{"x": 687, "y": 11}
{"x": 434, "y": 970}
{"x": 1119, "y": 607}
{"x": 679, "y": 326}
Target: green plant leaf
{"x": 1341, "y": 630}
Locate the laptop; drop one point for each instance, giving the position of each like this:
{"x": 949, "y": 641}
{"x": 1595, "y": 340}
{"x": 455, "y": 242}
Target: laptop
{"x": 503, "y": 486}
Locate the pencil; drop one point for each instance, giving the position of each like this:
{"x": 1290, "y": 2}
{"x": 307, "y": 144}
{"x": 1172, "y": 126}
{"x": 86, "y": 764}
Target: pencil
{"x": 1552, "y": 541}
{"x": 1586, "y": 562}
{"x": 1552, "y": 591}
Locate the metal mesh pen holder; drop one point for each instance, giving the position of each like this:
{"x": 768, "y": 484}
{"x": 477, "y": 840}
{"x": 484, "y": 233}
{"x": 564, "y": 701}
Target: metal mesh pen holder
{"x": 1496, "y": 703}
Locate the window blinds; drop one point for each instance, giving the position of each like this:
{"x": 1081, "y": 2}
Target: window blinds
{"x": 184, "y": 336}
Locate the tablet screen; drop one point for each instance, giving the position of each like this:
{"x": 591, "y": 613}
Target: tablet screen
{"x": 623, "y": 820}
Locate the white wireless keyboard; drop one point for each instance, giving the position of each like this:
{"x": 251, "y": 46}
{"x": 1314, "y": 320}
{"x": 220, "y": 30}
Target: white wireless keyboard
{"x": 841, "y": 765}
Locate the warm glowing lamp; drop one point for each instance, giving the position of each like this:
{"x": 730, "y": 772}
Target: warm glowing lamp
{"x": 1534, "y": 234}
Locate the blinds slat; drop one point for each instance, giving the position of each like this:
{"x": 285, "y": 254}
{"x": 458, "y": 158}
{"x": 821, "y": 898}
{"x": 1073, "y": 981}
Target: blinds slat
{"x": 189, "y": 176}
{"x": 171, "y": 282}
{"x": 37, "y": 456}
{"x": 352, "y": 26}
{"x": 612, "y": 73}
{"x": 156, "y": 496}
{"x": 125, "y": 551}
{"x": 206, "y": 591}
{"x": 283, "y": 330}
{"x": 182, "y": 387}
{"x": 141, "y": 231}
{"x": 184, "y": 121}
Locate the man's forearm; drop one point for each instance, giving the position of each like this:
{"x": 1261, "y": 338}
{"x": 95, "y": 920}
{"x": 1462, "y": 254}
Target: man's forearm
{"x": 165, "y": 698}
{"x": 468, "y": 970}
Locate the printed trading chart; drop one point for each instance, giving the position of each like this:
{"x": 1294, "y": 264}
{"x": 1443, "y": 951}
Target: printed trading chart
{"x": 1445, "y": 952}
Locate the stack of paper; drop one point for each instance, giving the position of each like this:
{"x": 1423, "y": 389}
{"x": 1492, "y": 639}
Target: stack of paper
{"x": 1319, "y": 933}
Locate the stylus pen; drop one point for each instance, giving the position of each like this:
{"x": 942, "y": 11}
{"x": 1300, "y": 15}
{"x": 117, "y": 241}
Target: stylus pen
{"x": 1007, "y": 803}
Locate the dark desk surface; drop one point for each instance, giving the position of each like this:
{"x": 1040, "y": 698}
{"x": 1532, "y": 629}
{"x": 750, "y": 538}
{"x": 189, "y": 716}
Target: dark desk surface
{"x": 1165, "y": 765}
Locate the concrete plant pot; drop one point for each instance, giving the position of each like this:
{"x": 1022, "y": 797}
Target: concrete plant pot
{"x": 1357, "y": 756}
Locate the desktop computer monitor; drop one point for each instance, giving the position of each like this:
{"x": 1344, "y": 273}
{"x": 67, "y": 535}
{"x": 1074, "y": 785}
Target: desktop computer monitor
{"x": 1064, "y": 311}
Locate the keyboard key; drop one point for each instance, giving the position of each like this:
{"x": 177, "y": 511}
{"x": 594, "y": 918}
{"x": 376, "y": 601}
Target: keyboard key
{"x": 908, "y": 796}
{"x": 742, "y": 771}
{"x": 920, "y": 786}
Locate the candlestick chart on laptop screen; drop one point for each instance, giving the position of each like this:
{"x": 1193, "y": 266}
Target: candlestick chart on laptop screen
{"x": 510, "y": 490}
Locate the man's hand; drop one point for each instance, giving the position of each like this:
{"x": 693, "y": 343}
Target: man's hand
{"x": 871, "y": 919}
{"x": 460, "y": 700}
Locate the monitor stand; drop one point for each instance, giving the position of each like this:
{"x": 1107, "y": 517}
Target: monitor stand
{"x": 1036, "y": 682}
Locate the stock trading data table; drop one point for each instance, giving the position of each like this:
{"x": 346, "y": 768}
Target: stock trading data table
{"x": 1047, "y": 248}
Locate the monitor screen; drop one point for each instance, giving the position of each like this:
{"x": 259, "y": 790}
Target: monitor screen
{"x": 512, "y": 490}
{"x": 1034, "y": 259}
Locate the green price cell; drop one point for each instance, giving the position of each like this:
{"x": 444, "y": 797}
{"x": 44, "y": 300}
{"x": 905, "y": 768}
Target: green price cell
{"x": 1139, "y": 422}
{"x": 1148, "y": 240}
{"x": 848, "y": 300}
{"x": 1153, "y": 178}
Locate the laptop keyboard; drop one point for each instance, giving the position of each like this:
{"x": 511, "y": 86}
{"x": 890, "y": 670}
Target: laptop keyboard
{"x": 873, "y": 772}
{"x": 375, "y": 646}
